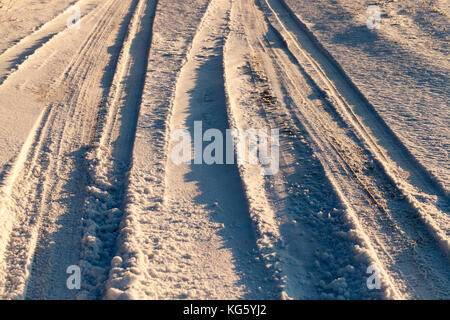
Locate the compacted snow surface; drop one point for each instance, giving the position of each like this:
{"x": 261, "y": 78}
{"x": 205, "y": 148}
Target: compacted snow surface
{"x": 353, "y": 95}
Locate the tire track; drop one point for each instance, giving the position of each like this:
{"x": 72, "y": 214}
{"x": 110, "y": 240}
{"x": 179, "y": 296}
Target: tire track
{"x": 39, "y": 29}
{"x": 413, "y": 181}
{"x": 30, "y": 170}
{"x": 15, "y": 57}
{"x": 109, "y": 162}
{"x": 146, "y": 186}
{"x": 185, "y": 246}
{"x": 403, "y": 245}
{"x": 304, "y": 232}
{"x": 75, "y": 138}
{"x": 365, "y": 117}
{"x": 44, "y": 213}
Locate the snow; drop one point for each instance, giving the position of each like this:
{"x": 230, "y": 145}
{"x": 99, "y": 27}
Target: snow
{"x": 358, "y": 188}
{"x": 402, "y": 67}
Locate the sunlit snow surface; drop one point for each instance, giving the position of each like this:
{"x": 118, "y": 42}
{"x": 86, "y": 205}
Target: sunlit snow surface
{"x": 359, "y": 197}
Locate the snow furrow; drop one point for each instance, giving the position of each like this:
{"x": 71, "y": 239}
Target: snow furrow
{"x": 395, "y": 225}
{"x": 43, "y": 26}
{"x": 422, "y": 191}
{"x": 172, "y": 39}
{"x": 294, "y": 218}
{"x": 7, "y": 218}
{"x": 109, "y": 161}
{"x": 81, "y": 130}
{"x": 364, "y": 115}
{"x": 197, "y": 240}
{"x": 221, "y": 149}
{"x": 16, "y": 56}
{"x": 45, "y": 231}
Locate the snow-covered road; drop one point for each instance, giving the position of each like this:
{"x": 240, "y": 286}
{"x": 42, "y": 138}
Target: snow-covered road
{"x": 348, "y": 196}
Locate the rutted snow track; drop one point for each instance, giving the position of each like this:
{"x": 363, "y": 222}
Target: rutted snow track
{"x": 45, "y": 225}
{"x": 197, "y": 242}
{"x": 111, "y": 158}
{"x": 88, "y": 176}
{"x": 401, "y": 238}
